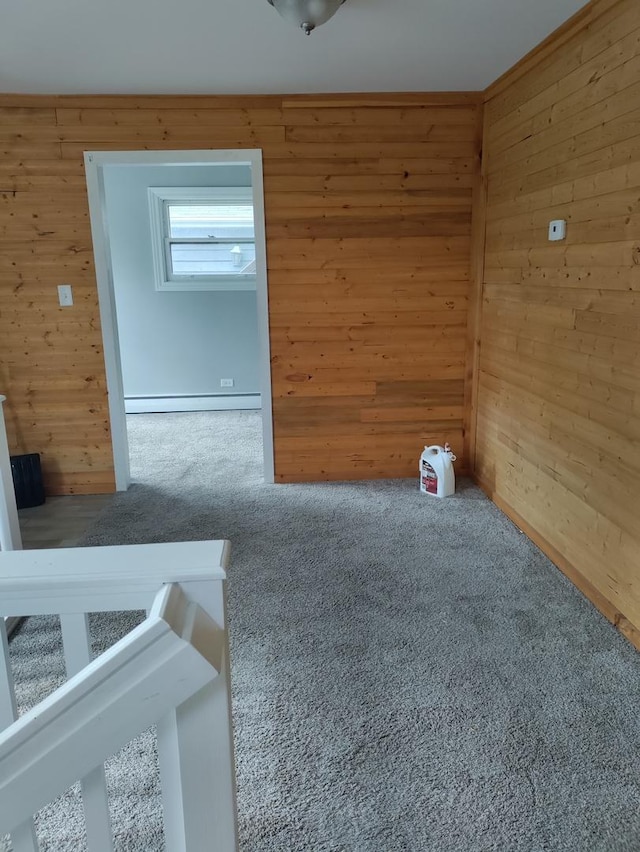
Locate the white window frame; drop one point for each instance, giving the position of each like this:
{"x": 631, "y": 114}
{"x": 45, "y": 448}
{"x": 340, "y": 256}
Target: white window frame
{"x": 159, "y": 199}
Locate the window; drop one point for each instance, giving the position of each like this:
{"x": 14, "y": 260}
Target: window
{"x": 203, "y": 238}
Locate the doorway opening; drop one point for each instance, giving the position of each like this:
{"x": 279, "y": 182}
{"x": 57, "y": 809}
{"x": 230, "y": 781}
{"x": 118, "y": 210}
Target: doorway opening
{"x": 180, "y": 253}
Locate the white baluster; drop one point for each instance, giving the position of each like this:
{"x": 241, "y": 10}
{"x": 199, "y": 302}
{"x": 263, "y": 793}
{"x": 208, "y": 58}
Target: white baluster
{"x": 76, "y": 639}
{"x": 195, "y": 748}
{"x": 10, "y": 538}
{"x": 23, "y": 838}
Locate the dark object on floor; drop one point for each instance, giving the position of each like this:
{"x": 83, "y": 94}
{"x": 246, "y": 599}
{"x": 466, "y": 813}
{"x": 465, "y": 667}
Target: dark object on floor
{"x": 27, "y": 480}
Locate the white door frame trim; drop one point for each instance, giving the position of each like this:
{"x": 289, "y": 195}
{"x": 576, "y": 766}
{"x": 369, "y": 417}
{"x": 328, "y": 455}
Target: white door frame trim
{"x": 94, "y": 162}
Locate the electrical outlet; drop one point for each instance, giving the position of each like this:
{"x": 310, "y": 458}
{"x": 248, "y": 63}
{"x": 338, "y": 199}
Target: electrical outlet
{"x": 226, "y": 383}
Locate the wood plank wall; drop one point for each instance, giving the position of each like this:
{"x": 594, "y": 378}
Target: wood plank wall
{"x": 368, "y": 209}
{"x": 558, "y": 429}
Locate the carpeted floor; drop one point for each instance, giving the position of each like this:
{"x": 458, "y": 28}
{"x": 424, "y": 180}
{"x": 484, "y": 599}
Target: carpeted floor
{"x": 409, "y": 675}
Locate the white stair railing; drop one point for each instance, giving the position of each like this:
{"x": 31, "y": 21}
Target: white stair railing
{"x": 24, "y": 838}
{"x": 172, "y": 670}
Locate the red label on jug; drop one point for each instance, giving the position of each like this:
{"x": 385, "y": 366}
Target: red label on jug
{"x": 429, "y": 479}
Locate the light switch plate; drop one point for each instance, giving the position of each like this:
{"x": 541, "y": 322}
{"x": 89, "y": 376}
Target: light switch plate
{"x": 557, "y": 230}
{"x": 65, "y": 295}
{"x": 226, "y": 383}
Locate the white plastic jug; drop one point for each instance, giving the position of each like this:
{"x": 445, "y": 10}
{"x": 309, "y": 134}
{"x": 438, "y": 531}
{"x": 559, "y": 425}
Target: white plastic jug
{"x": 436, "y": 471}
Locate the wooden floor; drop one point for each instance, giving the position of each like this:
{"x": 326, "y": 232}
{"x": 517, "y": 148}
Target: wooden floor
{"x": 61, "y": 521}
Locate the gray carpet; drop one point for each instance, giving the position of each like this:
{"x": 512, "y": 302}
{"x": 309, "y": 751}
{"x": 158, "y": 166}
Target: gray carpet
{"x": 408, "y": 674}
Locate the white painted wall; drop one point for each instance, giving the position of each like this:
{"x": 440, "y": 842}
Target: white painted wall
{"x": 174, "y": 344}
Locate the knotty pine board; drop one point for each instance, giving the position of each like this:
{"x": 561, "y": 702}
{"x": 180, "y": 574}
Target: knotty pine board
{"x": 558, "y": 428}
{"x": 368, "y": 202}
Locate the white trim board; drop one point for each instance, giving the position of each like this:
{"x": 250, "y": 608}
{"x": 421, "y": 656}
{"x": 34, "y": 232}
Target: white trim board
{"x": 94, "y": 164}
{"x": 220, "y": 402}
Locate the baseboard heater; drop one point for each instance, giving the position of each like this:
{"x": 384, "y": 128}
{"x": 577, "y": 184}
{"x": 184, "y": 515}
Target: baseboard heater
{"x": 200, "y": 402}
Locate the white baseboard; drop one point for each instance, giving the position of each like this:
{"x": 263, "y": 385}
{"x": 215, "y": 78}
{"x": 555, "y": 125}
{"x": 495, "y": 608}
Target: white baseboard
{"x": 223, "y": 402}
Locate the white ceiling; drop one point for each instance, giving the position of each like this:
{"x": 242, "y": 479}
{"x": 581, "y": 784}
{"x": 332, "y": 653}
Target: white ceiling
{"x": 243, "y": 46}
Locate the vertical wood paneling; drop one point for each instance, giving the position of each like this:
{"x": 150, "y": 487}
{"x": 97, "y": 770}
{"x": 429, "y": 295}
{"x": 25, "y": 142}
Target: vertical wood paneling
{"x": 368, "y": 215}
{"x": 558, "y": 440}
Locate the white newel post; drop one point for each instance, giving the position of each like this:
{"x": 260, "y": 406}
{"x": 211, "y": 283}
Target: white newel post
{"x": 10, "y": 538}
{"x": 195, "y": 748}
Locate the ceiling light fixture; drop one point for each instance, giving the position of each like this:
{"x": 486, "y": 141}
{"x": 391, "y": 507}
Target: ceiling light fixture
{"x": 307, "y": 14}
